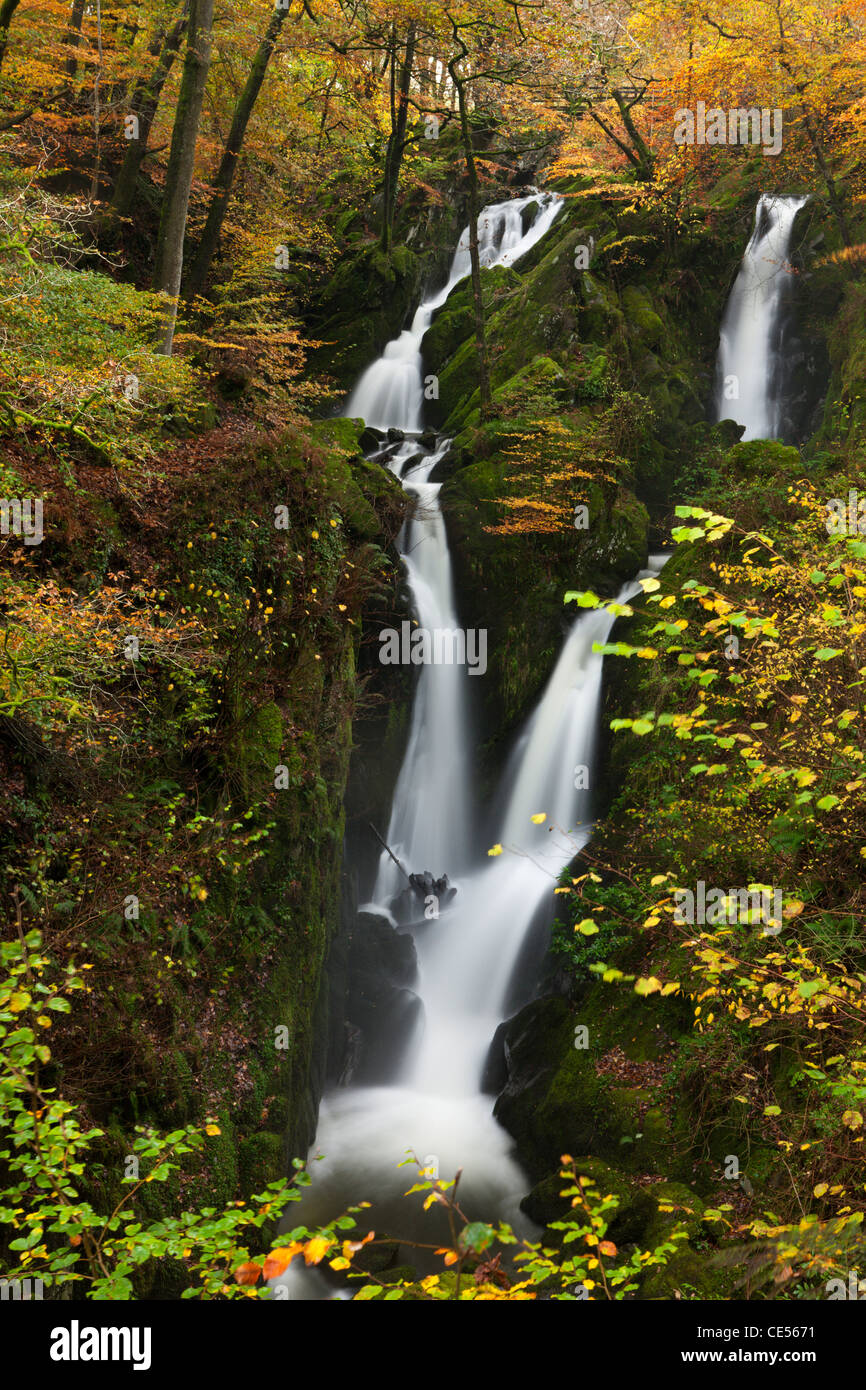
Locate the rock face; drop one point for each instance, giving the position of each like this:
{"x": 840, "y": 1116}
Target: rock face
{"x": 380, "y": 1002}
{"x": 366, "y": 303}
{"x": 599, "y": 375}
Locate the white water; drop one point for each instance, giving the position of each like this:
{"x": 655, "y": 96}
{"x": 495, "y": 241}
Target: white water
{"x": 422, "y": 833}
{"x": 468, "y": 956}
{"x": 390, "y": 393}
{"x": 749, "y": 353}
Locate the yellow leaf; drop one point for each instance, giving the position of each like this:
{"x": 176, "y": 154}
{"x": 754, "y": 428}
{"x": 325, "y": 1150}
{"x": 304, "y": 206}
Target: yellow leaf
{"x": 280, "y": 1259}
{"x": 539, "y": 818}
{"x": 647, "y": 985}
{"x": 496, "y": 850}
{"x": 316, "y": 1249}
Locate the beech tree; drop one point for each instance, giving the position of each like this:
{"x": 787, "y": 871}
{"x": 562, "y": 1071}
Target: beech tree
{"x": 164, "y": 47}
{"x": 172, "y": 226}
{"x": 398, "y": 95}
{"x": 231, "y": 154}
{"x": 7, "y": 10}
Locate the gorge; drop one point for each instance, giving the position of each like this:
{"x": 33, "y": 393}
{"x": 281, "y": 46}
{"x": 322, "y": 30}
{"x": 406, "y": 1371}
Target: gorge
{"x": 436, "y": 1110}
{"x": 431, "y": 744}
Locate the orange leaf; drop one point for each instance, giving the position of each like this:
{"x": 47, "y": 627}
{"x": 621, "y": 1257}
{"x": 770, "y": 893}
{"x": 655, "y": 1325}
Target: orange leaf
{"x": 248, "y": 1273}
{"x": 316, "y": 1249}
{"x": 351, "y": 1247}
{"x": 281, "y": 1258}
{"x": 607, "y": 1247}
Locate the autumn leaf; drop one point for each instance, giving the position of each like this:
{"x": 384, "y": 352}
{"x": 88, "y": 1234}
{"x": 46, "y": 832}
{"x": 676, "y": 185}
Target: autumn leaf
{"x": 316, "y": 1249}
{"x": 279, "y": 1259}
{"x": 647, "y": 985}
{"x": 351, "y": 1247}
{"x": 248, "y": 1273}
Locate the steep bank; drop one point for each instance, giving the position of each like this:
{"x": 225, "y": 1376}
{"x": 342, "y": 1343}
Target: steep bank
{"x": 174, "y": 755}
{"x": 636, "y": 1102}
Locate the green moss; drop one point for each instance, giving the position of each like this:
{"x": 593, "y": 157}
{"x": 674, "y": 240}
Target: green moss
{"x": 642, "y": 317}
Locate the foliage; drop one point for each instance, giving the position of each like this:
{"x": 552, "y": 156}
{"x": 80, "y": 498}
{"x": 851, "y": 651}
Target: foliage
{"x": 777, "y": 780}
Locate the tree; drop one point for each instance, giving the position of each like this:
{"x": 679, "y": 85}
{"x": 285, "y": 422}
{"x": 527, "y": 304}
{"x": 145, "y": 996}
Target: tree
{"x": 460, "y": 84}
{"x": 172, "y": 225}
{"x": 7, "y": 10}
{"x": 73, "y": 36}
{"x": 489, "y": 60}
{"x": 399, "y": 109}
{"x": 231, "y": 154}
{"x": 165, "y": 47}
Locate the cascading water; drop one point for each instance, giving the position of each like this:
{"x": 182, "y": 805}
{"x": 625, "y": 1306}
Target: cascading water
{"x": 750, "y": 361}
{"x": 390, "y": 393}
{"x": 468, "y": 955}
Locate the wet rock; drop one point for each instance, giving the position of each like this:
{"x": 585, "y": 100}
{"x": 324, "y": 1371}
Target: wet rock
{"x": 396, "y": 436}
{"x": 371, "y": 440}
{"x": 412, "y": 462}
{"x": 495, "y": 1073}
{"x": 635, "y": 1211}
{"x": 553, "y": 1101}
{"x": 381, "y": 1004}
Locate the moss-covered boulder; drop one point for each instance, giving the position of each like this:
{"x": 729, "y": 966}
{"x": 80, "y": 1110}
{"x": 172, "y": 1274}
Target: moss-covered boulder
{"x": 366, "y": 302}
{"x": 533, "y": 503}
{"x": 635, "y": 1205}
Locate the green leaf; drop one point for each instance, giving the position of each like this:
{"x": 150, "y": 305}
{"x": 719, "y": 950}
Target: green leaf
{"x": 806, "y": 988}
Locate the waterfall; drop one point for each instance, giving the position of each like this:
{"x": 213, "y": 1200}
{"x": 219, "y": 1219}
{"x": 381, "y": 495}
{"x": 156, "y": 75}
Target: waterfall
{"x": 750, "y": 359}
{"x": 467, "y": 956}
{"x": 390, "y": 393}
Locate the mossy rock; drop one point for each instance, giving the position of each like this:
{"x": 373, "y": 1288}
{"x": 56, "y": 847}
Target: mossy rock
{"x": 641, "y": 318}
{"x": 365, "y": 303}
{"x": 635, "y": 1205}
{"x": 553, "y": 1102}
{"x": 508, "y": 479}
{"x": 261, "y": 1159}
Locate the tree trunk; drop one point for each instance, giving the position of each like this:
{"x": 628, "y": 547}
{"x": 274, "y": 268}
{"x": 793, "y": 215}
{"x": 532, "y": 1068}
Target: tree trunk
{"x": 144, "y": 105}
{"x": 645, "y": 156}
{"x": 829, "y": 182}
{"x": 172, "y": 223}
{"x": 228, "y": 165}
{"x": 73, "y": 35}
{"x": 397, "y": 137}
{"x": 477, "y": 298}
{"x": 7, "y": 10}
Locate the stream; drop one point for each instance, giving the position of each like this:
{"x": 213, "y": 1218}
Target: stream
{"x": 435, "y": 1107}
